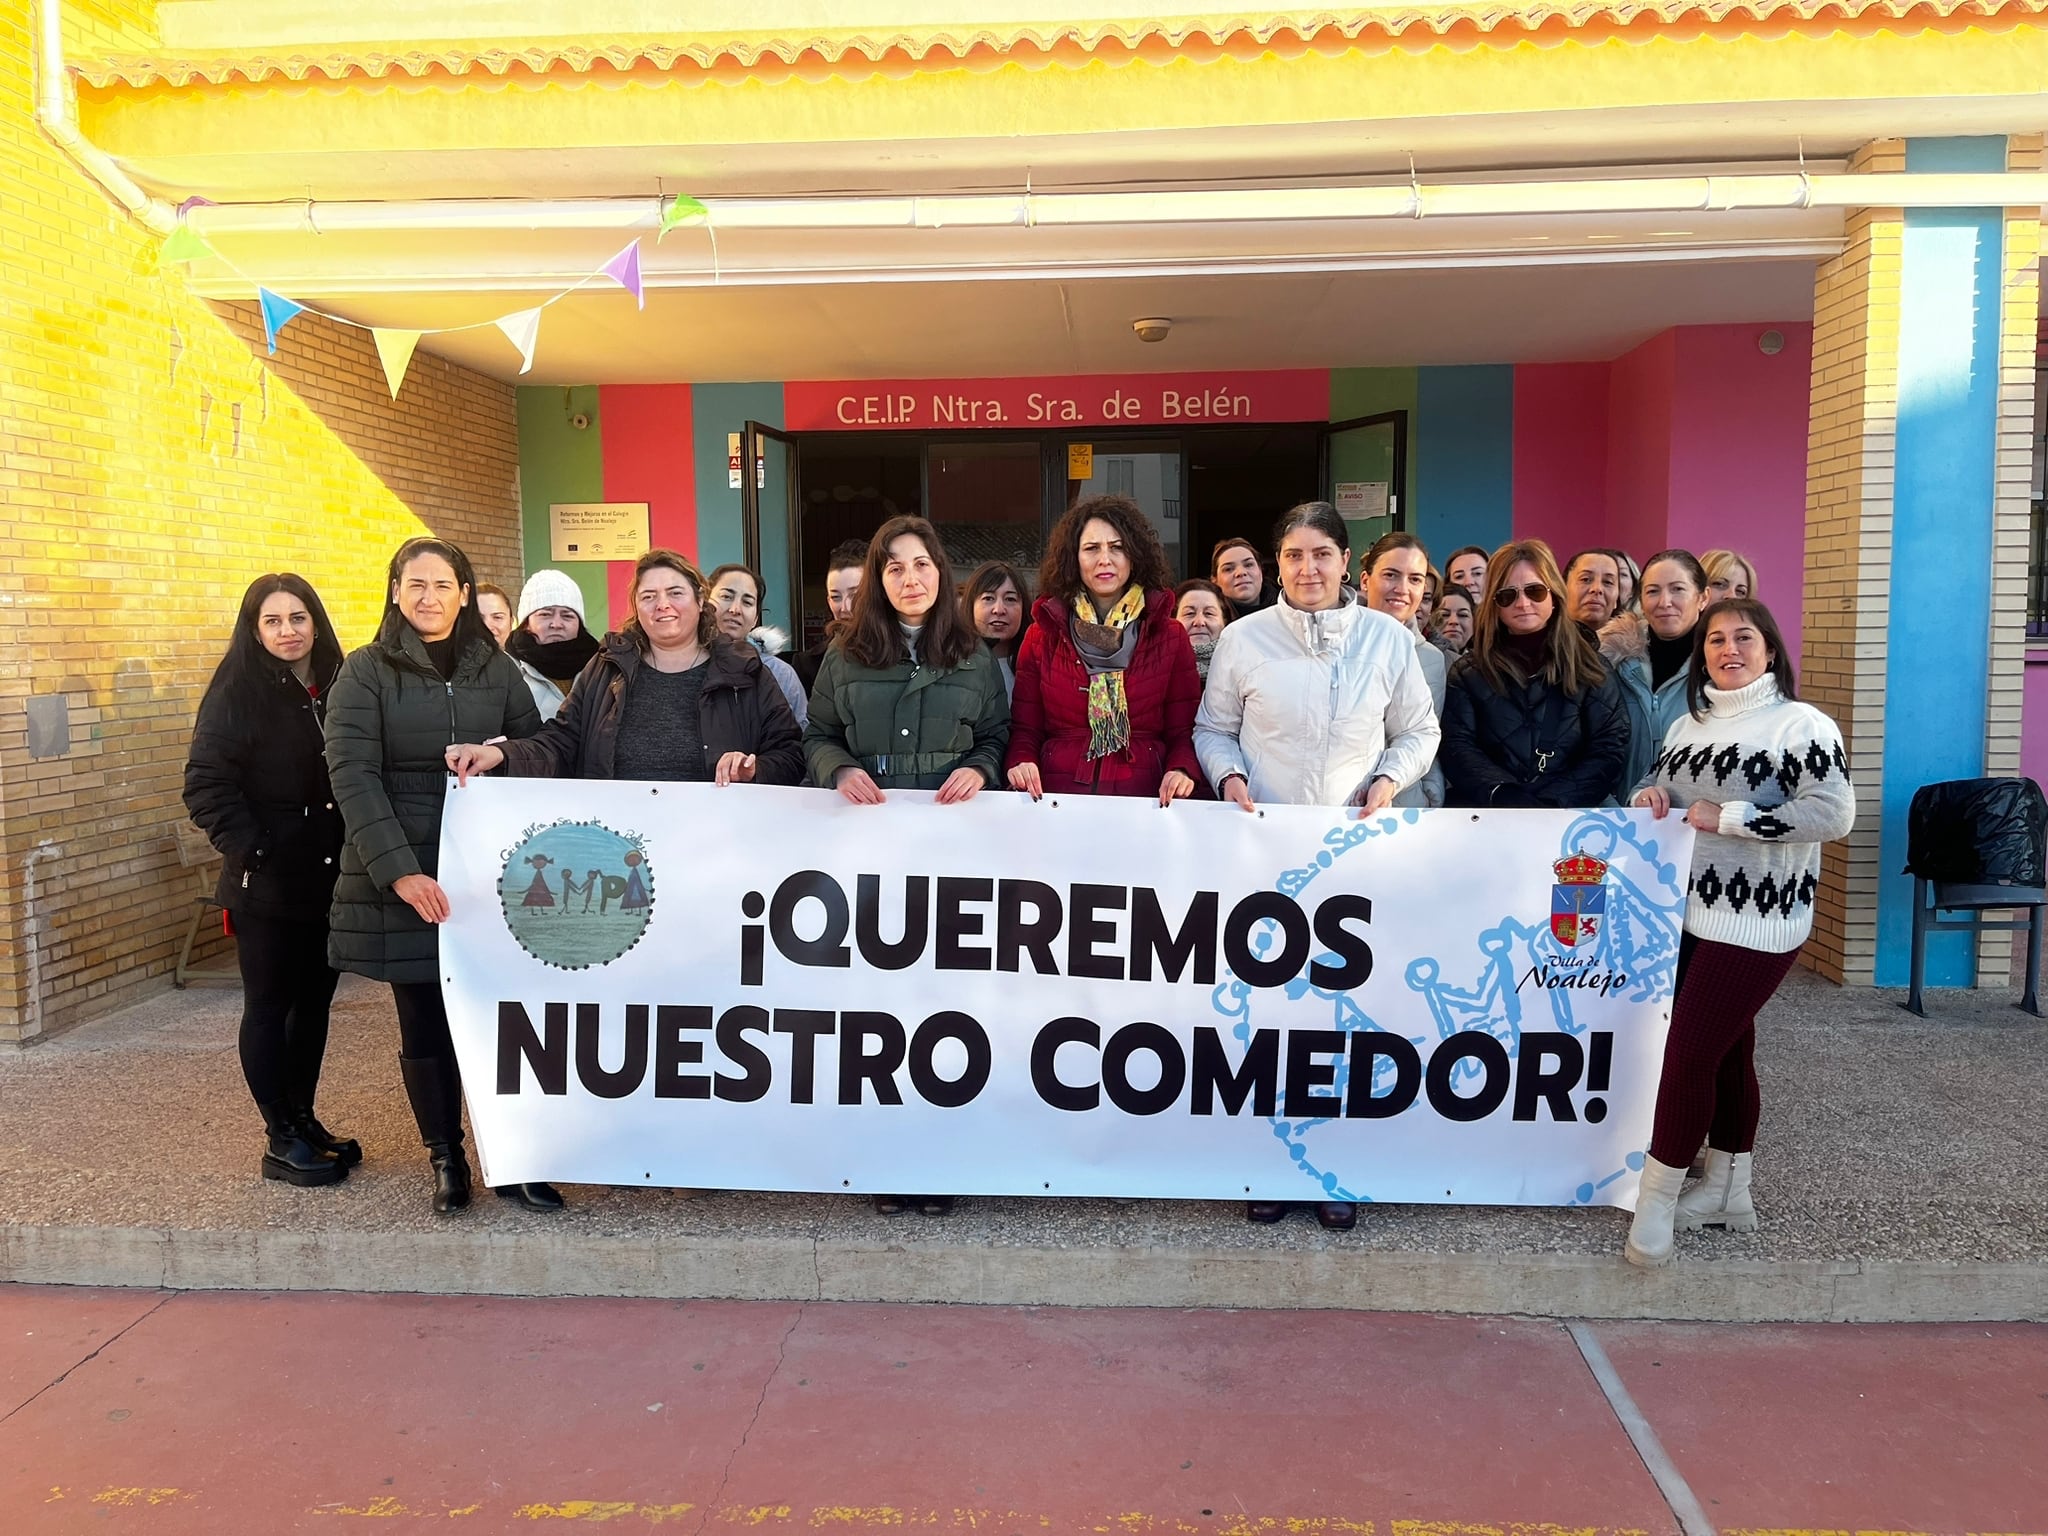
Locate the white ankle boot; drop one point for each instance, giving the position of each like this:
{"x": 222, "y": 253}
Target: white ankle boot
{"x": 1650, "y": 1241}
{"x": 1721, "y": 1198}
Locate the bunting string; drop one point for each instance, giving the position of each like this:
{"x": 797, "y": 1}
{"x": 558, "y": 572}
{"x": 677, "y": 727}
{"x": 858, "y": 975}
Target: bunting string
{"x": 395, "y": 345}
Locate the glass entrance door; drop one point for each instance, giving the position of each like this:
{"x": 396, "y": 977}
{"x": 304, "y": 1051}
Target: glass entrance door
{"x": 1365, "y": 468}
{"x": 1148, "y": 472}
{"x": 987, "y": 499}
{"x": 768, "y": 521}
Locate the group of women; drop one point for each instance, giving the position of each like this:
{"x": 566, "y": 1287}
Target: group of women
{"x": 321, "y": 780}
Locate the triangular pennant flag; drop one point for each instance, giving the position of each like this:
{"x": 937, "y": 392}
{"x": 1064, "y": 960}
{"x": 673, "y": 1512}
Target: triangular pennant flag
{"x": 277, "y": 314}
{"x": 183, "y": 244}
{"x": 678, "y": 211}
{"x": 624, "y": 269}
{"x": 522, "y": 330}
{"x": 394, "y": 351}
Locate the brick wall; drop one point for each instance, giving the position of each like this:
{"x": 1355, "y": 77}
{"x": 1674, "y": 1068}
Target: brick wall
{"x": 152, "y": 461}
{"x": 2019, "y": 321}
{"x": 1851, "y": 436}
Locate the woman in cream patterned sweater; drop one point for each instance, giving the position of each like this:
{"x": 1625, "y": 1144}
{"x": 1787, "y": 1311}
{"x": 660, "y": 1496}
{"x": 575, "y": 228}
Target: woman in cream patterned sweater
{"x": 1763, "y": 781}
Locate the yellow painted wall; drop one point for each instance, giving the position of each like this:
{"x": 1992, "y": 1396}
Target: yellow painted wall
{"x": 153, "y": 461}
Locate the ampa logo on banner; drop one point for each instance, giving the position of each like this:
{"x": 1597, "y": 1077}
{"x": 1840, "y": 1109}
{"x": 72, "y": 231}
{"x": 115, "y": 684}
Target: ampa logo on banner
{"x": 556, "y": 867}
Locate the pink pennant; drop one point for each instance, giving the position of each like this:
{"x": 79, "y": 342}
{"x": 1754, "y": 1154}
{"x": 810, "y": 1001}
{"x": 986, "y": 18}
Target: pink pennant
{"x": 624, "y": 269}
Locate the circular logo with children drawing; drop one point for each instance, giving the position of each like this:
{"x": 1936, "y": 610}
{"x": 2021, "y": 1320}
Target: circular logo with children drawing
{"x": 576, "y": 893}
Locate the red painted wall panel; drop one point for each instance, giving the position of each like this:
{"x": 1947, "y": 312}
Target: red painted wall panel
{"x": 1639, "y": 423}
{"x": 1561, "y": 454}
{"x": 647, "y": 457}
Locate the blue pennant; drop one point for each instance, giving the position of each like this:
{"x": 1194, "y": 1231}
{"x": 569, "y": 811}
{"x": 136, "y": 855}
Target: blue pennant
{"x": 277, "y": 314}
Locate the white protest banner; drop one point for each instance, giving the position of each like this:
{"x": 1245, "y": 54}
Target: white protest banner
{"x": 766, "y": 988}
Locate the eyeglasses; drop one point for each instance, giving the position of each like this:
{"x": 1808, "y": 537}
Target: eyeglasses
{"x": 1535, "y": 591}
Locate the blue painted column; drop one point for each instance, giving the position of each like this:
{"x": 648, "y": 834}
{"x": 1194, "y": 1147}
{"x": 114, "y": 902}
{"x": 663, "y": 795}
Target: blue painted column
{"x": 715, "y": 411}
{"x": 1464, "y": 457}
{"x": 1938, "y": 640}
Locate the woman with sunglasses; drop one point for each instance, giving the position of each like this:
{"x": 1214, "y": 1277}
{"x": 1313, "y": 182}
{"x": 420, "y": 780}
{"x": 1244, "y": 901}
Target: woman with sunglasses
{"x": 1532, "y": 717}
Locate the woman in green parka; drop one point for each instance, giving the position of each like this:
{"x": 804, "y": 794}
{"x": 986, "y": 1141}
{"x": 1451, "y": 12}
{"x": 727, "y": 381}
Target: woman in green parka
{"x": 907, "y": 697}
{"x": 432, "y": 677}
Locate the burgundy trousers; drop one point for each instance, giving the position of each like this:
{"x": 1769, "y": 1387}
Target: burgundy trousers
{"x": 1708, "y": 1091}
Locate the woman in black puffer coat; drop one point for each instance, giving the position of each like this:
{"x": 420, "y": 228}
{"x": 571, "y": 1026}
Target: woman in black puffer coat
{"x": 433, "y": 677}
{"x": 256, "y": 784}
{"x": 1531, "y": 715}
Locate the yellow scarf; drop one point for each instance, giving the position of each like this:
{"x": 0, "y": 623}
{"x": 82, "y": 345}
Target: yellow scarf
{"x": 1109, "y": 715}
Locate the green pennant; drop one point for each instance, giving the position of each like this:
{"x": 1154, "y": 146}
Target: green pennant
{"x": 680, "y": 210}
{"x": 183, "y": 244}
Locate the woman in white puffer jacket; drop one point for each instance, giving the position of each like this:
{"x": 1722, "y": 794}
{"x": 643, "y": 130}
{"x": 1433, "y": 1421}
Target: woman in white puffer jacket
{"x": 1317, "y": 700}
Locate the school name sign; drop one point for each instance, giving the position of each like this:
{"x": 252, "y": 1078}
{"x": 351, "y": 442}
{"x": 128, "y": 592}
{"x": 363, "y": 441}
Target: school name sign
{"x": 767, "y": 988}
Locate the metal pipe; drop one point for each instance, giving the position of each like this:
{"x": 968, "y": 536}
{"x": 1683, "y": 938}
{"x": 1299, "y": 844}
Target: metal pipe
{"x": 1585, "y": 195}
{"x": 55, "y": 116}
{"x": 32, "y": 933}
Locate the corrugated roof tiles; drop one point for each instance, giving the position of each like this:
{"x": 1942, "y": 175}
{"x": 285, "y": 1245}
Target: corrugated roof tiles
{"x": 1415, "y": 28}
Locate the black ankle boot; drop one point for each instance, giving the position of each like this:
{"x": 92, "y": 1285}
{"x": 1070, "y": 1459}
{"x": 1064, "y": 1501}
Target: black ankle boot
{"x": 290, "y": 1156}
{"x": 347, "y": 1148}
{"x": 434, "y": 1085}
{"x": 535, "y": 1197}
{"x": 451, "y": 1176}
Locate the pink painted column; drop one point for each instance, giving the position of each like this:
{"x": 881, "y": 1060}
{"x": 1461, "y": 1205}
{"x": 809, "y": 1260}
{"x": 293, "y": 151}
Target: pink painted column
{"x": 1738, "y": 455}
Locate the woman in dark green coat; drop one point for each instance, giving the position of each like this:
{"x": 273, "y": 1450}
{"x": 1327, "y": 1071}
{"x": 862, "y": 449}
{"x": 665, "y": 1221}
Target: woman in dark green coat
{"x": 432, "y": 677}
{"x": 910, "y": 697}
{"x": 907, "y": 697}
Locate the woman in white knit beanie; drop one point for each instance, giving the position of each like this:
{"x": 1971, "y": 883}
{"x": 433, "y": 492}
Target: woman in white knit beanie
{"x": 553, "y": 642}
{"x": 1763, "y": 781}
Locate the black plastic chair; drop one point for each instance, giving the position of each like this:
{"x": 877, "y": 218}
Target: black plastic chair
{"x": 1977, "y": 846}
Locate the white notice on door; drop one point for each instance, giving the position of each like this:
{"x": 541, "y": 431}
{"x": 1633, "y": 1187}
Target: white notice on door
{"x": 1362, "y": 498}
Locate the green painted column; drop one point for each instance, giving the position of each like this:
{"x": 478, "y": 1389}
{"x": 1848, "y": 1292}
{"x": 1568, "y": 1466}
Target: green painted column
{"x": 1369, "y": 456}
{"x": 558, "y": 462}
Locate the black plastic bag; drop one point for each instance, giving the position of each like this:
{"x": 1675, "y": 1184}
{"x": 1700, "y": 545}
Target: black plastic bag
{"x": 1979, "y": 832}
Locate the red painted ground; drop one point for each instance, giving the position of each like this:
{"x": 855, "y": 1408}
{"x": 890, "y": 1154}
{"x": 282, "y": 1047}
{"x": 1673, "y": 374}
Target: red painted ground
{"x": 236, "y": 1413}
{"x": 1848, "y": 1428}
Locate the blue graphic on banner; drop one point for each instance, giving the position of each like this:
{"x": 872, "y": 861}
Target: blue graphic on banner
{"x": 1636, "y": 933}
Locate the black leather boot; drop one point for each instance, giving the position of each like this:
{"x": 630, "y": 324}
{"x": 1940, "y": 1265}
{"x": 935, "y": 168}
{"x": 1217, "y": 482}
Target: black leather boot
{"x": 535, "y": 1197}
{"x": 451, "y": 1175}
{"x": 434, "y": 1086}
{"x": 1337, "y": 1215}
{"x": 290, "y": 1156}
{"x": 347, "y": 1148}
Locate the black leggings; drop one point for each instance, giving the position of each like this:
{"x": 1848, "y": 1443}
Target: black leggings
{"x": 287, "y": 987}
{"x": 423, "y": 1021}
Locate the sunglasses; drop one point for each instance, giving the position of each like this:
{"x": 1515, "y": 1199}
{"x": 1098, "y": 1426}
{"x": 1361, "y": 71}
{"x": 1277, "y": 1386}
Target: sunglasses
{"x": 1535, "y": 591}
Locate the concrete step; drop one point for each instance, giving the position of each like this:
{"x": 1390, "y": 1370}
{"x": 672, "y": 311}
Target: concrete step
{"x": 770, "y": 1266}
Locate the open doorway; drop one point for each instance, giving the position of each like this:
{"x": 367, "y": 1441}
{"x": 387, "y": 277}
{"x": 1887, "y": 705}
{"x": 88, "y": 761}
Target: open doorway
{"x": 848, "y": 487}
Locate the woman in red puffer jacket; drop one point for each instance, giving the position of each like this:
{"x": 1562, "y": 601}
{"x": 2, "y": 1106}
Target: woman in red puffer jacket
{"x": 1106, "y": 683}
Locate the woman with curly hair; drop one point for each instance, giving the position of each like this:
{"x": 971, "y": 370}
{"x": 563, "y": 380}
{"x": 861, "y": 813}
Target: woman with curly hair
{"x": 1106, "y": 682}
